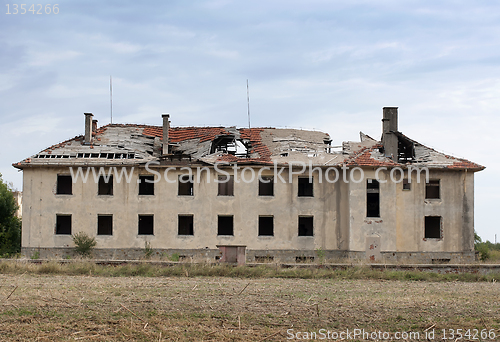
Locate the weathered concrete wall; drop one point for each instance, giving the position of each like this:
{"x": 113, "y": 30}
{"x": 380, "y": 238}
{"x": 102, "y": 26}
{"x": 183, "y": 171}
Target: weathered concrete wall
{"x": 340, "y": 223}
{"x": 42, "y": 205}
{"x": 280, "y": 256}
{"x": 401, "y": 225}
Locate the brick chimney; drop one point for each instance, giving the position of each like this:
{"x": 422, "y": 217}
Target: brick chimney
{"x": 389, "y": 126}
{"x": 88, "y": 128}
{"x": 166, "y": 127}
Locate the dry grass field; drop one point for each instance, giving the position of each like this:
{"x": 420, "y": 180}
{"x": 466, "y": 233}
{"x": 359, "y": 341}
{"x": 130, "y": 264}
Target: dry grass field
{"x": 48, "y": 307}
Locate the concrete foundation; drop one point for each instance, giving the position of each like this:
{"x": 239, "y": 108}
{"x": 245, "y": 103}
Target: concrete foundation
{"x": 252, "y": 256}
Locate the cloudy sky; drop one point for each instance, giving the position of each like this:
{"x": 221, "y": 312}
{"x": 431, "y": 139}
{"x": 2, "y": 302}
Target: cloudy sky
{"x": 327, "y": 65}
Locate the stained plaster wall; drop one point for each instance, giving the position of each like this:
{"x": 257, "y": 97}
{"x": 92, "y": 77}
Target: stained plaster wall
{"x": 41, "y": 204}
{"x": 401, "y": 225}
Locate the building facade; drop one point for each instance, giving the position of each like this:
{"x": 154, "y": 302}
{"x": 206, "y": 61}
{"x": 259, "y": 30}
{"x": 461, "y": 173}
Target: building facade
{"x": 287, "y": 195}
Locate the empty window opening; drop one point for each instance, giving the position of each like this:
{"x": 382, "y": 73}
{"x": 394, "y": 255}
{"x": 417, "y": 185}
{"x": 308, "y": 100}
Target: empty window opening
{"x": 225, "y": 225}
{"x": 185, "y": 185}
{"x": 146, "y": 185}
{"x": 433, "y": 227}
{"x": 105, "y": 185}
{"x": 406, "y": 184}
{"x": 146, "y": 224}
{"x": 266, "y": 186}
{"x": 267, "y": 258}
{"x": 266, "y": 226}
{"x": 63, "y": 224}
{"x": 372, "y": 198}
{"x": 304, "y": 259}
{"x": 185, "y": 225}
{"x": 432, "y": 189}
{"x": 64, "y": 185}
{"x": 306, "y": 226}
{"x": 226, "y": 185}
{"x": 104, "y": 225}
{"x": 305, "y": 187}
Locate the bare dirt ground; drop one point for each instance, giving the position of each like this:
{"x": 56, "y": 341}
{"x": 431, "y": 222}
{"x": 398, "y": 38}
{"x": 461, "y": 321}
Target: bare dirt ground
{"x": 89, "y": 308}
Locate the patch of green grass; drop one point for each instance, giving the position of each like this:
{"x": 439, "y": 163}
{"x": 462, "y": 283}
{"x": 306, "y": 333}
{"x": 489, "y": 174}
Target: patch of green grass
{"x": 86, "y": 267}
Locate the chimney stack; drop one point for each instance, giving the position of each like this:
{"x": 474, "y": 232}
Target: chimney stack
{"x": 166, "y": 127}
{"x": 94, "y": 126}
{"x": 389, "y": 126}
{"x": 88, "y": 128}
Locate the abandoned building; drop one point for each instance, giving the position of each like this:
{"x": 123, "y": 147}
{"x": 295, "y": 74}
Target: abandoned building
{"x": 179, "y": 190}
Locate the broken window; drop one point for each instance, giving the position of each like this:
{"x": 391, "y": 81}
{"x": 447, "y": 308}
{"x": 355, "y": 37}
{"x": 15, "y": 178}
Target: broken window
{"x": 305, "y": 187}
{"x": 104, "y": 225}
{"x": 432, "y": 189}
{"x": 105, "y": 186}
{"x": 225, "y": 225}
{"x": 185, "y": 225}
{"x": 406, "y": 184}
{"x": 433, "y": 227}
{"x": 266, "y": 186}
{"x": 226, "y": 186}
{"x": 146, "y": 185}
{"x": 64, "y": 185}
{"x": 63, "y": 224}
{"x": 146, "y": 224}
{"x": 185, "y": 185}
{"x": 306, "y": 226}
{"x": 266, "y": 226}
{"x": 372, "y": 198}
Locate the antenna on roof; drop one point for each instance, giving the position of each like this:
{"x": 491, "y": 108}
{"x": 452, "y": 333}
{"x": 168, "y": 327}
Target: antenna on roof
{"x": 111, "y": 97}
{"x": 248, "y": 102}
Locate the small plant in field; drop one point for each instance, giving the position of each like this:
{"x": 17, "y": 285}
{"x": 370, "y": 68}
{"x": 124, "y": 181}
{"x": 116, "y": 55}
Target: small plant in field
{"x": 175, "y": 257}
{"x": 148, "y": 251}
{"x": 84, "y": 243}
{"x": 321, "y": 254}
{"x": 35, "y": 255}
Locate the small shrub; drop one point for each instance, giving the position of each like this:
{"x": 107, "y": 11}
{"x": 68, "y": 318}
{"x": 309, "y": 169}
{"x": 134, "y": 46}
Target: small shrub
{"x": 35, "y": 255}
{"x": 84, "y": 244}
{"x": 148, "y": 251}
{"x": 484, "y": 252}
{"x": 175, "y": 257}
{"x": 321, "y": 254}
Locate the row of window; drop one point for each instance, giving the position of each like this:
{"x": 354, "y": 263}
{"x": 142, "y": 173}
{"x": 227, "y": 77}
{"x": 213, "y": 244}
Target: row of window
{"x": 185, "y": 186}
{"x": 225, "y": 225}
{"x": 373, "y": 194}
{"x": 266, "y": 188}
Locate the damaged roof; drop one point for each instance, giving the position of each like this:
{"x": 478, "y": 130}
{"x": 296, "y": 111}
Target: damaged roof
{"x": 131, "y": 144}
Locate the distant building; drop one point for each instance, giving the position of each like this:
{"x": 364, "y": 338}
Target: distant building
{"x": 380, "y": 207}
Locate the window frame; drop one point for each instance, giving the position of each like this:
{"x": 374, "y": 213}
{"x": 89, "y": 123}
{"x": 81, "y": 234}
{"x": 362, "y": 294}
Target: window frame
{"x": 99, "y": 216}
{"x": 59, "y": 185}
{"x": 221, "y": 190}
{"x": 139, "y": 225}
{"x": 191, "y": 229}
{"x": 263, "y": 186}
{"x": 302, "y": 189}
{"x": 108, "y": 184}
{"x": 440, "y": 237}
{"x": 259, "y": 232}
{"x": 432, "y": 185}
{"x": 303, "y": 217}
{"x": 182, "y": 184}
{"x": 219, "y": 217}
{"x": 145, "y": 187}
{"x": 70, "y": 224}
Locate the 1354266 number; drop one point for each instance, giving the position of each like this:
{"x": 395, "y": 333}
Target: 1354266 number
{"x": 33, "y": 9}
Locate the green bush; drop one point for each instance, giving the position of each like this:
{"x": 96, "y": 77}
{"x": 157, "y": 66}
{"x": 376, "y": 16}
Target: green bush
{"x": 84, "y": 243}
{"x": 10, "y": 225}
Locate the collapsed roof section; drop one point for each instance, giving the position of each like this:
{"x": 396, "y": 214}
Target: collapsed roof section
{"x": 130, "y": 144}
